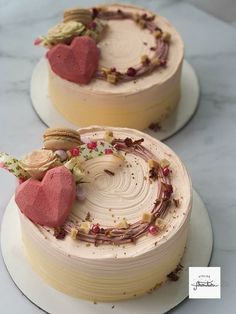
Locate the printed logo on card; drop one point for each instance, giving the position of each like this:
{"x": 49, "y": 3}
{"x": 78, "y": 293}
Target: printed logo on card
{"x": 204, "y": 283}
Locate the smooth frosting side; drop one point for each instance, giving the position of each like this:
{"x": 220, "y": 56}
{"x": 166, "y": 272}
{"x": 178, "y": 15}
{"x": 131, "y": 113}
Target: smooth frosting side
{"x": 111, "y": 280}
{"x": 137, "y": 110}
{"x": 98, "y": 102}
{"x": 84, "y": 268}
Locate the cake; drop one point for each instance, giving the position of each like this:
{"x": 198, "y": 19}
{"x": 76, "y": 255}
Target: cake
{"x": 128, "y": 77}
{"x": 104, "y": 212}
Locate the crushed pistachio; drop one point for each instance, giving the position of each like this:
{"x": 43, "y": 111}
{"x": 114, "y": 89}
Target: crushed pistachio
{"x": 147, "y": 217}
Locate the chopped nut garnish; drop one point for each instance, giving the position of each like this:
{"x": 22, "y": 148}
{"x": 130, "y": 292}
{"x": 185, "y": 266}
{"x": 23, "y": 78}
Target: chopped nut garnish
{"x": 142, "y": 23}
{"x": 73, "y": 233}
{"x": 109, "y": 133}
{"x": 147, "y": 217}
{"x": 85, "y": 227}
{"x": 145, "y": 60}
{"x": 153, "y": 163}
{"x": 59, "y": 233}
{"x": 136, "y": 17}
{"x": 153, "y": 174}
{"x": 112, "y": 78}
{"x": 123, "y": 224}
{"x": 157, "y": 34}
{"x": 88, "y": 217}
{"x": 164, "y": 163}
{"x": 160, "y": 223}
{"x": 168, "y": 190}
{"x": 106, "y": 71}
{"x": 166, "y": 36}
{"x": 156, "y": 61}
{"x": 176, "y": 202}
{"x": 108, "y": 137}
{"x": 128, "y": 142}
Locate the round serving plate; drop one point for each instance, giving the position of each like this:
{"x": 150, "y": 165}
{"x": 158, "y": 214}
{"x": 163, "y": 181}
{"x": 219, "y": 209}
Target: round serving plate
{"x": 197, "y": 253}
{"x": 177, "y": 120}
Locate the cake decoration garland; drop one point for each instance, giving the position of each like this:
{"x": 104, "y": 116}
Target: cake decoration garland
{"x": 83, "y": 23}
{"x": 51, "y": 178}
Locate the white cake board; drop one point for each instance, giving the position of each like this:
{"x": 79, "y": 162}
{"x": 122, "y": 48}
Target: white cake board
{"x": 177, "y": 120}
{"x": 197, "y": 253}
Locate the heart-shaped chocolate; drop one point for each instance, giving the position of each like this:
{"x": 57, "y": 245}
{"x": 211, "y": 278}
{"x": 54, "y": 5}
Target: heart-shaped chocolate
{"x": 76, "y": 63}
{"x": 48, "y": 202}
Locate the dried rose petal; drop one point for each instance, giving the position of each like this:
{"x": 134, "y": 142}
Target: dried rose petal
{"x": 131, "y": 72}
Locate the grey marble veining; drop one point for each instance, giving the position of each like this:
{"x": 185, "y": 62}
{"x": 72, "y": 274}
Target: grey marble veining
{"x": 206, "y": 144}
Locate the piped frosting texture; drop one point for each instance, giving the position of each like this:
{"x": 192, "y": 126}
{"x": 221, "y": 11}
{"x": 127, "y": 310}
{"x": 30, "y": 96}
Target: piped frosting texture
{"x": 126, "y": 194}
{"x": 115, "y": 272}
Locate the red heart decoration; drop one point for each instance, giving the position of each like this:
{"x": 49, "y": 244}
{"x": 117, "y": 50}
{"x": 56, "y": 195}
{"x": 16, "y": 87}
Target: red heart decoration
{"x": 48, "y": 202}
{"x": 76, "y": 63}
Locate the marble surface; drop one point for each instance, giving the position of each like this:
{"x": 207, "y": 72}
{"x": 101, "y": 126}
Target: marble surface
{"x": 206, "y": 144}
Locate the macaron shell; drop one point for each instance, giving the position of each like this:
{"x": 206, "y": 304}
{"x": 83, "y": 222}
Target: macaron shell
{"x": 60, "y": 143}
{"x": 62, "y": 132}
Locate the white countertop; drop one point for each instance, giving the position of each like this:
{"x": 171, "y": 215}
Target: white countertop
{"x": 206, "y": 144}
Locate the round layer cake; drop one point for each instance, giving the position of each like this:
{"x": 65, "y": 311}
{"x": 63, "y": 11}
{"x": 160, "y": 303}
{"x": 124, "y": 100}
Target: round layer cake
{"x": 128, "y": 231}
{"x": 144, "y": 55}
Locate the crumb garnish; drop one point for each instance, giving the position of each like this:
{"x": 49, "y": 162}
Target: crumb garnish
{"x": 153, "y": 174}
{"x": 110, "y": 173}
{"x": 155, "y": 127}
{"x": 88, "y": 217}
{"x": 59, "y": 233}
{"x": 174, "y": 275}
{"x": 176, "y": 202}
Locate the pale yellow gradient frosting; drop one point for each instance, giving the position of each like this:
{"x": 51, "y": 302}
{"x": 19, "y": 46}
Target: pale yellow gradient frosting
{"x": 108, "y": 272}
{"x": 134, "y": 104}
